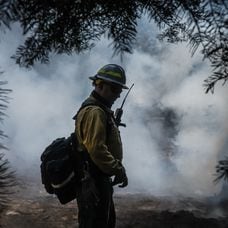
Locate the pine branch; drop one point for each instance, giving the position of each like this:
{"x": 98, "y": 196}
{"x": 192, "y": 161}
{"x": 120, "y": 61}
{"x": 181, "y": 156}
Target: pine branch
{"x": 68, "y": 26}
{"x": 6, "y": 175}
{"x": 206, "y": 27}
{"x": 123, "y": 33}
{"x": 7, "y": 181}
{"x": 7, "y": 12}
{"x": 221, "y": 171}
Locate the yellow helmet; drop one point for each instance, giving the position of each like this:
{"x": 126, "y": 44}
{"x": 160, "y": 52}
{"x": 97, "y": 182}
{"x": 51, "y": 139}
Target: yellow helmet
{"x": 111, "y": 73}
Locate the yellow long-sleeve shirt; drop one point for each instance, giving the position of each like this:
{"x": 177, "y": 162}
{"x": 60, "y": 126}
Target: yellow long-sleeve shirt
{"x": 99, "y": 135}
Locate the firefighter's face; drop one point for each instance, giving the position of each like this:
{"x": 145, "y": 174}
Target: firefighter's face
{"x": 111, "y": 91}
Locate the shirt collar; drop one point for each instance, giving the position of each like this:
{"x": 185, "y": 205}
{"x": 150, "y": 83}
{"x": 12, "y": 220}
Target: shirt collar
{"x": 101, "y": 99}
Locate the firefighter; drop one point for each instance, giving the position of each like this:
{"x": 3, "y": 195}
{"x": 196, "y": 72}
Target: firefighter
{"x": 100, "y": 141}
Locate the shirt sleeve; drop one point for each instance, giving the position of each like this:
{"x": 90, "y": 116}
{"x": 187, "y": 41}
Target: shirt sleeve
{"x": 94, "y": 127}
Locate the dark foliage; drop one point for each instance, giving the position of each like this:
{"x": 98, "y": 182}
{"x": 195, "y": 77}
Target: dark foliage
{"x": 66, "y": 26}
{"x": 221, "y": 171}
{"x": 7, "y": 12}
{"x": 6, "y": 182}
{"x": 6, "y": 176}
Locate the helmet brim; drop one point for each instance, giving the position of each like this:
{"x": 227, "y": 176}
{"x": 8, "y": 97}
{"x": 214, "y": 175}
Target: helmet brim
{"x": 93, "y": 78}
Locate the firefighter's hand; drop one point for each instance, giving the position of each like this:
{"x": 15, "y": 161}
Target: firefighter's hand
{"x": 121, "y": 178}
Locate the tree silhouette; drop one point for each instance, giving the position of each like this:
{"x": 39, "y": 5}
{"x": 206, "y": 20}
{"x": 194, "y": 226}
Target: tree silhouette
{"x": 222, "y": 170}
{"x": 6, "y": 182}
{"x": 66, "y": 26}
{"x": 6, "y": 176}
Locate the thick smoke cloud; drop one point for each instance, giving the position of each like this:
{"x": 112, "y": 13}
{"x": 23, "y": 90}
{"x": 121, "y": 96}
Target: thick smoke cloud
{"x": 160, "y": 158}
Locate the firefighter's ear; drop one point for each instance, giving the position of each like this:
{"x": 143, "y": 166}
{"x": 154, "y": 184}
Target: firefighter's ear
{"x": 101, "y": 86}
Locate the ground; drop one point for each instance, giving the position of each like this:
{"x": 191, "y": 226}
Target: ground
{"x": 31, "y": 207}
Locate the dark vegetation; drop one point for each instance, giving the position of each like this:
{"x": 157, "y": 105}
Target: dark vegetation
{"x": 6, "y": 175}
{"x": 67, "y": 26}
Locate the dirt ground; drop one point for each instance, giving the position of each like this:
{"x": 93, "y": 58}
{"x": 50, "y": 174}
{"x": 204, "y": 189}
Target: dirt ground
{"x": 32, "y": 207}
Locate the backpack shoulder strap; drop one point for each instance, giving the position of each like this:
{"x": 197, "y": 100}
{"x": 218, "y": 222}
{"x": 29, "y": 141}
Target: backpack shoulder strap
{"x": 91, "y": 102}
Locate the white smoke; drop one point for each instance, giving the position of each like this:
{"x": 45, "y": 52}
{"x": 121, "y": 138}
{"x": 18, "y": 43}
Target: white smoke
{"x": 45, "y": 99}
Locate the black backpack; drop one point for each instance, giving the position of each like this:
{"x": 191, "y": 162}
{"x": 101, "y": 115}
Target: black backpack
{"x": 61, "y": 167}
{"x": 62, "y": 164}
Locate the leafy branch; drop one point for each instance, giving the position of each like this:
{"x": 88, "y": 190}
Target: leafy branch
{"x": 69, "y": 26}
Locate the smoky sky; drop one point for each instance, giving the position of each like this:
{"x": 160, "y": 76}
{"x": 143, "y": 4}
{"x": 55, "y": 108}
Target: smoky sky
{"x": 175, "y": 132}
